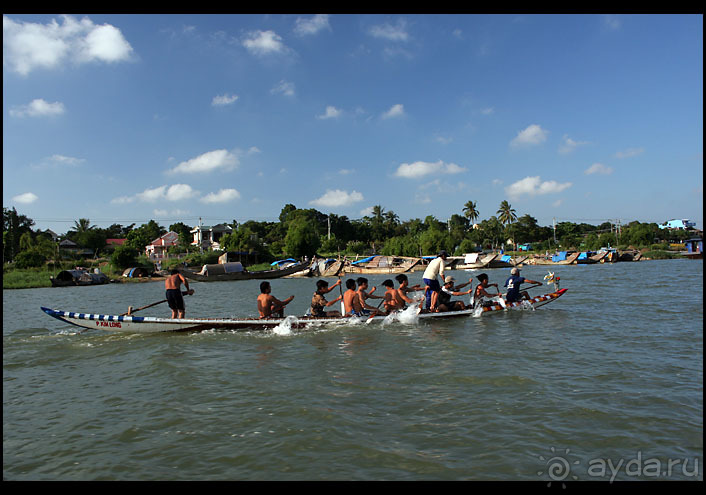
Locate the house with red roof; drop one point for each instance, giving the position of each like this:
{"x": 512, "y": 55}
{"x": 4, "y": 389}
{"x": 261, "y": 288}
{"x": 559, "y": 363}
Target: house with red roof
{"x": 157, "y": 249}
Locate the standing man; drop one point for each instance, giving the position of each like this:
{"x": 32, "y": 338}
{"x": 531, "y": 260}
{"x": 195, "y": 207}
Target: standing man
{"x": 435, "y": 268}
{"x": 173, "y": 288}
{"x": 513, "y": 286}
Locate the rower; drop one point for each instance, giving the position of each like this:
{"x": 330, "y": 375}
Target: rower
{"x": 175, "y": 300}
{"x": 481, "y": 297}
{"x": 435, "y": 268}
{"x": 319, "y": 302}
{"x": 513, "y": 286}
{"x": 444, "y": 302}
{"x": 268, "y": 305}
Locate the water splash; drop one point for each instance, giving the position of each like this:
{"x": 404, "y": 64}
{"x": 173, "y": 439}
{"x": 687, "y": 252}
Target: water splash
{"x": 285, "y": 328}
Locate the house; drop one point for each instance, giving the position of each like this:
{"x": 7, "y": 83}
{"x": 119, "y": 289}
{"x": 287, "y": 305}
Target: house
{"x": 157, "y": 249}
{"x": 209, "y": 237}
{"x": 681, "y": 224}
{"x": 111, "y": 244}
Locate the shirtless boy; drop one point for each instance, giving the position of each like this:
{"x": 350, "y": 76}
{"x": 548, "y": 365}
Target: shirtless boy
{"x": 268, "y": 305}
{"x": 173, "y": 289}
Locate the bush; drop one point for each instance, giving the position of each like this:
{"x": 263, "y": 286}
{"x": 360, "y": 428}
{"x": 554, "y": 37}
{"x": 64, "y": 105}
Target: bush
{"x": 123, "y": 257}
{"x": 29, "y": 259}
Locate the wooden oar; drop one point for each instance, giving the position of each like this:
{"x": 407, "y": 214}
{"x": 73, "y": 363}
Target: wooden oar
{"x": 130, "y": 311}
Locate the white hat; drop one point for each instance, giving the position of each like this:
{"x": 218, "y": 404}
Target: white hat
{"x": 514, "y": 271}
{"x": 449, "y": 279}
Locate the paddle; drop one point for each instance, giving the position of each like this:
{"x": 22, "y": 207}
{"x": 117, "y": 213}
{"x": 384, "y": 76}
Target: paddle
{"x": 340, "y": 291}
{"x": 372, "y": 315}
{"x": 130, "y": 311}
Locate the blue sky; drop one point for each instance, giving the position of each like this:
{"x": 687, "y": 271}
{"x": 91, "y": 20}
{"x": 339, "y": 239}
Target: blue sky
{"x": 127, "y": 118}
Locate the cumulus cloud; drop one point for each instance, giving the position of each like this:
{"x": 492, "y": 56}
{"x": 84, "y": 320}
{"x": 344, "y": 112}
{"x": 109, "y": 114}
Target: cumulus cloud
{"x": 264, "y": 43}
{"x": 207, "y": 162}
{"x": 530, "y": 136}
{"x": 420, "y": 169}
{"x": 629, "y": 153}
{"x": 598, "y": 168}
{"x": 568, "y": 145}
{"x": 176, "y": 192}
{"x": 38, "y": 108}
{"x": 394, "y": 111}
{"x": 533, "y": 186}
{"x": 284, "y": 87}
{"x": 390, "y": 32}
{"x": 28, "y": 45}
{"x": 25, "y": 198}
{"x": 336, "y": 198}
{"x": 222, "y": 196}
{"x": 311, "y": 25}
{"x": 330, "y": 113}
{"x": 225, "y": 99}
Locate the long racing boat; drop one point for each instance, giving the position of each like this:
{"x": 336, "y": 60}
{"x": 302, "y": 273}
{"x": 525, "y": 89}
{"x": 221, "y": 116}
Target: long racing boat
{"x": 150, "y": 324}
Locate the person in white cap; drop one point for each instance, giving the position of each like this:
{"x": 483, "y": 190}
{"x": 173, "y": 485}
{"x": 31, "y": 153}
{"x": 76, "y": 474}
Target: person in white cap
{"x": 513, "y": 286}
{"x": 444, "y": 302}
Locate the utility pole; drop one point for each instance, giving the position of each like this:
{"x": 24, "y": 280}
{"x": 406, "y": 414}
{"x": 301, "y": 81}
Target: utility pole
{"x": 554, "y": 224}
{"x": 329, "y": 226}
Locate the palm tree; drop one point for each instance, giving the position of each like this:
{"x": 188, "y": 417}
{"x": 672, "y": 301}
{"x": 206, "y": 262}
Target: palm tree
{"x": 506, "y": 214}
{"x": 83, "y": 225}
{"x": 470, "y": 211}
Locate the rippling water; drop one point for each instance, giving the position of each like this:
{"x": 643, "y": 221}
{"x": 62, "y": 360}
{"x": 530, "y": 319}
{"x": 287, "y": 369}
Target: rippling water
{"x": 605, "y": 383}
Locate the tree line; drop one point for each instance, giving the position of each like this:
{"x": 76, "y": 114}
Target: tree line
{"x": 305, "y": 232}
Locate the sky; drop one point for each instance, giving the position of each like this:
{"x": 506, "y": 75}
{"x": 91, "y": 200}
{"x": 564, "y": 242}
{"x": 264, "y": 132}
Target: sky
{"x": 176, "y": 118}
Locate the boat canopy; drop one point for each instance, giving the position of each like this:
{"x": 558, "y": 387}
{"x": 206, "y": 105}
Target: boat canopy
{"x": 221, "y": 268}
{"x": 560, "y": 256}
{"x": 282, "y": 262}
{"x": 364, "y": 260}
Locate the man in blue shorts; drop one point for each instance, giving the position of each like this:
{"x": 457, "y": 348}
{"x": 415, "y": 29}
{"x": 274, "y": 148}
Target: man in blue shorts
{"x": 513, "y": 286}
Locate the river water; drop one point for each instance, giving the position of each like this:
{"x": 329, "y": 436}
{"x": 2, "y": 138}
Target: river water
{"x": 606, "y": 383}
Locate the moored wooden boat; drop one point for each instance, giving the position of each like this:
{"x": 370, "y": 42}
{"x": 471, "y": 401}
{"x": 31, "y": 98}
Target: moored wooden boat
{"x": 148, "y": 324}
{"x": 236, "y": 271}
{"x": 382, "y": 265}
{"x": 78, "y": 277}
{"x": 474, "y": 261}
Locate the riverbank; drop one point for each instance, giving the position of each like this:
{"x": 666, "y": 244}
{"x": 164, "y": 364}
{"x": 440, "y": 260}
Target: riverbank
{"x": 32, "y": 278}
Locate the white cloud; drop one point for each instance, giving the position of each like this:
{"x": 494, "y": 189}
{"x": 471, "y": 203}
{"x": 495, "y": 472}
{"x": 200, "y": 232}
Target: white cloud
{"x": 176, "y": 192}
{"x": 221, "y": 196}
{"x": 389, "y": 32}
{"x": 331, "y": 113}
{"x": 420, "y": 169}
{"x": 598, "y": 168}
{"x": 568, "y": 145}
{"x": 394, "y": 111}
{"x": 284, "y": 87}
{"x": 28, "y": 46}
{"x": 207, "y": 162}
{"x": 66, "y": 160}
{"x": 366, "y": 211}
{"x": 334, "y": 198}
{"x": 488, "y": 111}
{"x": 264, "y": 43}
{"x": 312, "y": 25}
{"x": 225, "y": 99}
{"x": 529, "y": 136}
{"x": 26, "y": 198}
{"x": 611, "y": 22}
{"x": 38, "y": 108}
{"x": 533, "y": 186}
{"x": 629, "y": 153}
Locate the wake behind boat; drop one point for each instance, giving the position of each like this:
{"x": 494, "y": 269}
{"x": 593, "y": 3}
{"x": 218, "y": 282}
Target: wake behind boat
{"x": 149, "y": 324}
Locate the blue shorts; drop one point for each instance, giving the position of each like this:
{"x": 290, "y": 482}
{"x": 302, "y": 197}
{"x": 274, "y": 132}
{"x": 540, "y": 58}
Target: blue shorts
{"x": 362, "y": 312}
{"x": 433, "y": 285}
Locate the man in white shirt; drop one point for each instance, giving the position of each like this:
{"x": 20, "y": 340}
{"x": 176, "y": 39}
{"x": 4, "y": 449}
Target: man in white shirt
{"x": 435, "y": 269}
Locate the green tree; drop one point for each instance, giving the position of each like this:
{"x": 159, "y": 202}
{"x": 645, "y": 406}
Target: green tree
{"x": 302, "y": 238}
{"x": 470, "y": 211}
{"x": 506, "y": 213}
